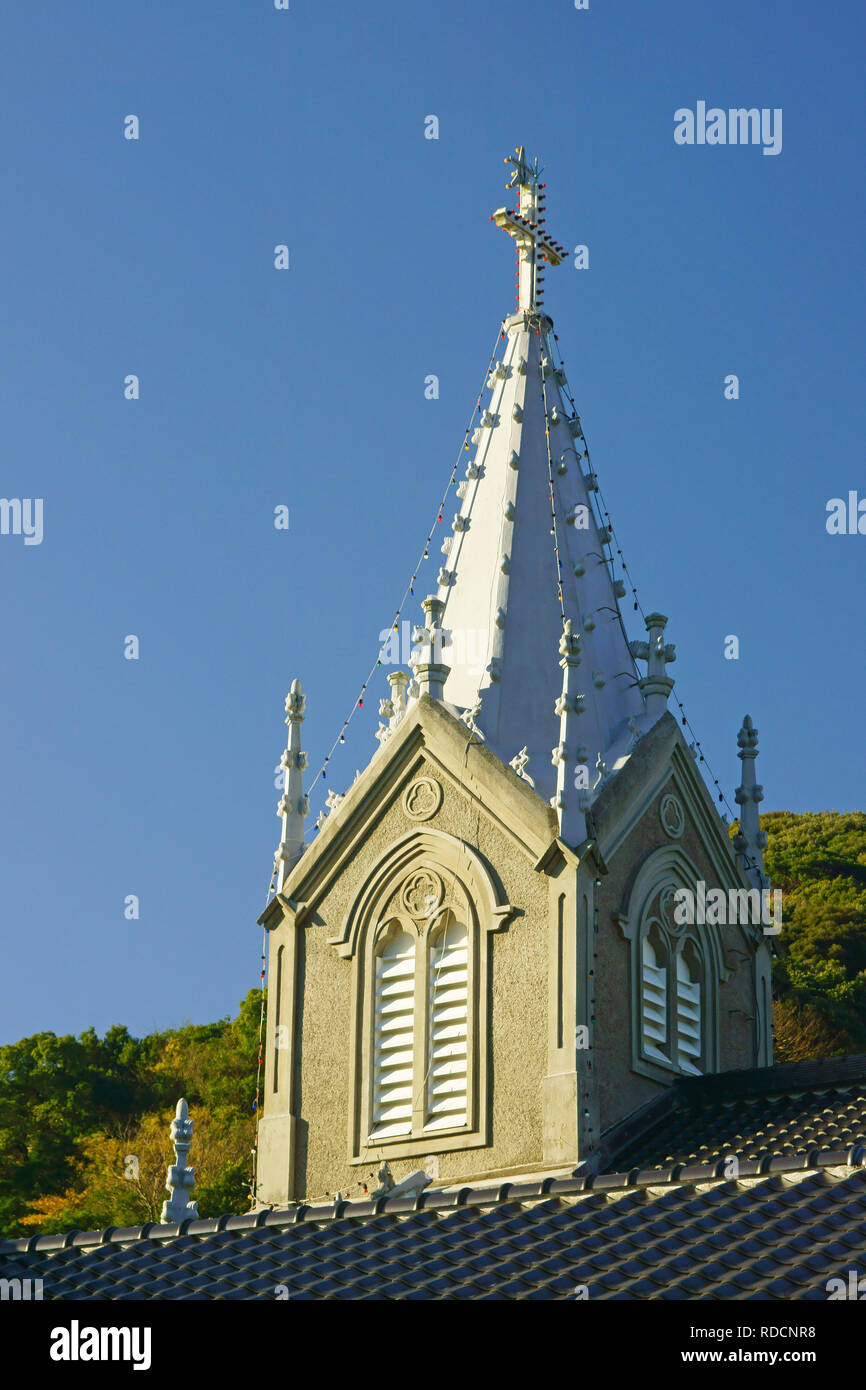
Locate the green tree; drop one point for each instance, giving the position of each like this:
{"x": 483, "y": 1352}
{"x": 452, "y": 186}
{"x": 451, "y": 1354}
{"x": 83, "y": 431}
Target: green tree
{"x": 818, "y": 859}
{"x": 72, "y": 1109}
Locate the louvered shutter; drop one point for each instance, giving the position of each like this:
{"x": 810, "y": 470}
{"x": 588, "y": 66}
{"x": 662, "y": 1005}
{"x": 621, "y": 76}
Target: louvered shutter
{"x": 448, "y": 1012}
{"x": 688, "y": 1018}
{"x": 394, "y": 1037}
{"x": 654, "y": 1002}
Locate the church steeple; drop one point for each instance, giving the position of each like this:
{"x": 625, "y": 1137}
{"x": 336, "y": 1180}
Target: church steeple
{"x": 486, "y": 924}
{"x": 528, "y": 554}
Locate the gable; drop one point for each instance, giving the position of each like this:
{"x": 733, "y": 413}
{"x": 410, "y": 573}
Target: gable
{"x": 429, "y": 767}
{"x": 662, "y": 762}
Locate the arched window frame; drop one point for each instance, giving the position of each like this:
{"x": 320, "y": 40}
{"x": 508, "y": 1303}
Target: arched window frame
{"x": 413, "y": 999}
{"x": 678, "y": 985}
{"x": 661, "y": 874}
{"x": 470, "y": 894}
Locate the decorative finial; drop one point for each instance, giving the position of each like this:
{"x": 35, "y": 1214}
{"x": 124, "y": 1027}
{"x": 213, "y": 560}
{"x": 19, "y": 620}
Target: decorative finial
{"x": 293, "y": 805}
{"x": 430, "y": 671}
{"x": 535, "y": 248}
{"x": 399, "y": 682}
{"x": 656, "y": 685}
{"x": 523, "y": 173}
{"x": 180, "y": 1180}
{"x": 751, "y": 841}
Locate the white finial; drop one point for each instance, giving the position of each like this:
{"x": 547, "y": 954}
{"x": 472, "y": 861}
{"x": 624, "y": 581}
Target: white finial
{"x": 430, "y": 671}
{"x": 180, "y": 1179}
{"x": 656, "y": 685}
{"x": 292, "y": 806}
{"x": 535, "y": 249}
{"x": 398, "y": 681}
{"x": 751, "y": 840}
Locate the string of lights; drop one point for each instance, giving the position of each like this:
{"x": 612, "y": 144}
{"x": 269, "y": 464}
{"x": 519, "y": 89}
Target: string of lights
{"x": 410, "y": 587}
{"x": 553, "y": 525}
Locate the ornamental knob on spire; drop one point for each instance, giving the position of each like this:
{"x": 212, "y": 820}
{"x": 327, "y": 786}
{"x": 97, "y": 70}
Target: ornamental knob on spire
{"x": 292, "y": 806}
{"x": 751, "y": 840}
{"x": 535, "y": 248}
{"x": 180, "y": 1179}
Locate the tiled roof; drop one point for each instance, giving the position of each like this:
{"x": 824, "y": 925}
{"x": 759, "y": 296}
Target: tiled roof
{"x": 793, "y": 1217}
{"x": 781, "y": 1235}
{"x": 779, "y": 1110}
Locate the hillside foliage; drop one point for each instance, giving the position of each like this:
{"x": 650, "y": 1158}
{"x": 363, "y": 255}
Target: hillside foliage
{"x": 84, "y": 1123}
{"x": 819, "y": 862}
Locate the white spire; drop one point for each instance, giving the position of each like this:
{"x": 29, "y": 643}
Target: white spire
{"x": 180, "y": 1180}
{"x": 293, "y": 805}
{"x": 751, "y": 840}
{"x": 524, "y": 534}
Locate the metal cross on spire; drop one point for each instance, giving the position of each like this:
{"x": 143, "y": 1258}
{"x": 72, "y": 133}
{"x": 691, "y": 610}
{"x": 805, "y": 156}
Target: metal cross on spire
{"x": 535, "y": 248}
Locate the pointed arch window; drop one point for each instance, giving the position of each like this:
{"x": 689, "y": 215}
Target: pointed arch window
{"x": 421, "y": 1030}
{"x": 676, "y": 970}
{"x": 419, "y": 934}
{"x": 672, "y": 1007}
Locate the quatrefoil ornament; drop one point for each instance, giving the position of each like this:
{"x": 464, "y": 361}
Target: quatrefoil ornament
{"x": 422, "y": 893}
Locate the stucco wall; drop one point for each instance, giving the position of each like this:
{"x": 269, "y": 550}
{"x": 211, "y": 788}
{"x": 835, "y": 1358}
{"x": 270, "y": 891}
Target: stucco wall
{"x": 621, "y": 1090}
{"x": 517, "y": 998}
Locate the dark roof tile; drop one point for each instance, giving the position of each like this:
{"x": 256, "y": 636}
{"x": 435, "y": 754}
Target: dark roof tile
{"x": 676, "y": 1225}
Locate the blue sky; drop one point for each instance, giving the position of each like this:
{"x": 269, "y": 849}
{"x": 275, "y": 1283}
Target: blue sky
{"x": 306, "y": 388}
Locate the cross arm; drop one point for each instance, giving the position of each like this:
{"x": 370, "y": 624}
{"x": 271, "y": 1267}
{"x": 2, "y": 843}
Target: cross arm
{"x": 523, "y": 230}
